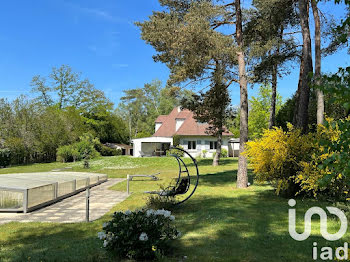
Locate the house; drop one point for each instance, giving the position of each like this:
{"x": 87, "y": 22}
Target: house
{"x": 126, "y": 149}
{"x": 192, "y": 136}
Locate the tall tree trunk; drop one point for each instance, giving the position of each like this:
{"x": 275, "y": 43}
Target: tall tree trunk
{"x": 216, "y": 159}
{"x": 319, "y": 93}
{"x": 272, "y": 119}
{"x": 273, "y": 97}
{"x": 303, "y": 93}
{"x": 242, "y": 174}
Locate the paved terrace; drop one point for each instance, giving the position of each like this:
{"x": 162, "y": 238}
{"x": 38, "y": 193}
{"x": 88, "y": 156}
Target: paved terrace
{"x": 72, "y": 209}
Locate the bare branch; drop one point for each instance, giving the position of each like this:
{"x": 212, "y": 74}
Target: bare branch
{"x": 292, "y": 33}
{"x": 217, "y": 24}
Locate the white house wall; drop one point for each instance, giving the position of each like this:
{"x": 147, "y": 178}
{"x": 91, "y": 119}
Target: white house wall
{"x": 147, "y": 144}
{"x": 203, "y": 143}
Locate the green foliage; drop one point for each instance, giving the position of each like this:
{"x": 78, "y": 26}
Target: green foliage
{"x": 335, "y": 151}
{"x": 338, "y": 85}
{"x": 233, "y": 124}
{"x": 68, "y": 153}
{"x": 141, "y": 106}
{"x": 33, "y": 133}
{"x": 70, "y": 91}
{"x": 176, "y": 140}
{"x": 297, "y": 163}
{"x": 317, "y": 176}
{"x": 333, "y": 109}
{"x": 269, "y": 46}
{"x": 277, "y": 155}
{"x": 224, "y": 152}
{"x": 155, "y": 201}
{"x": 214, "y": 106}
{"x": 5, "y": 157}
{"x": 142, "y": 234}
{"x": 142, "y": 134}
{"x": 175, "y": 152}
{"x": 66, "y": 88}
{"x": 106, "y": 125}
{"x": 260, "y": 111}
{"x": 82, "y": 150}
{"x": 107, "y": 151}
{"x": 186, "y": 40}
{"x": 65, "y": 108}
{"x": 204, "y": 153}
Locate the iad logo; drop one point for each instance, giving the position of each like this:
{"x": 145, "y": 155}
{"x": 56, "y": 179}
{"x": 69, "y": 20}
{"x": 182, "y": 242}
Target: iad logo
{"x": 326, "y": 253}
{"x": 323, "y": 222}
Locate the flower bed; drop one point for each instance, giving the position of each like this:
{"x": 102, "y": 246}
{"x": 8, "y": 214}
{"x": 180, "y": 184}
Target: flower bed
{"x": 142, "y": 234}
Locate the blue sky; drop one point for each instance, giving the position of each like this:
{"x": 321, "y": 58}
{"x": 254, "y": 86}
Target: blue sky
{"x": 97, "y": 38}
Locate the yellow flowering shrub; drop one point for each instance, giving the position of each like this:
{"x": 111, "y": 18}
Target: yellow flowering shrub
{"x": 313, "y": 172}
{"x": 292, "y": 161}
{"x": 277, "y": 155}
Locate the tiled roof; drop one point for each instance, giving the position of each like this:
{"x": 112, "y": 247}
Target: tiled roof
{"x": 190, "y": 126}
{"x": 161, "y": 118}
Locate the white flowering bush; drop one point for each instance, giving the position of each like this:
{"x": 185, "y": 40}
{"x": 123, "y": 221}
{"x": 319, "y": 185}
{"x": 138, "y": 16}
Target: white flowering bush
{"x": 142, "y": 234}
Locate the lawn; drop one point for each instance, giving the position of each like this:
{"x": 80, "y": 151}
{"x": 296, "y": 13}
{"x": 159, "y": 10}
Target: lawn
{"x": 219, "y": 223}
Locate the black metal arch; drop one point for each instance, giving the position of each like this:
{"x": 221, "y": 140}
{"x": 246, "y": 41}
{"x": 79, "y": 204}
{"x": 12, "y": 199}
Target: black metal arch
{"x": 183, "y": 169}
{"x": 183, "y": 183}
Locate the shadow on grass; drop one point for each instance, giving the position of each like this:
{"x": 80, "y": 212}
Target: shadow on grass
{"x": 250, "y": 227}
{"x": 209, "y": 161}
{"x": 45, "y": 242}
{"x": 223, "y": 178}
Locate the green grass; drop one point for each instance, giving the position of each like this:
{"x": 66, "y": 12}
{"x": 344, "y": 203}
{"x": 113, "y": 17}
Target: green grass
{"x": 219, "y": 223}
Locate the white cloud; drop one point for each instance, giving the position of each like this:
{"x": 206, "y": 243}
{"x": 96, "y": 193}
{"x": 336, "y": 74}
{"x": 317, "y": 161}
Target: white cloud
{"x": 96, "y": 12}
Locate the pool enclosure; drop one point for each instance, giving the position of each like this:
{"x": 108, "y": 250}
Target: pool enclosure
{"x": 28, "y": 191}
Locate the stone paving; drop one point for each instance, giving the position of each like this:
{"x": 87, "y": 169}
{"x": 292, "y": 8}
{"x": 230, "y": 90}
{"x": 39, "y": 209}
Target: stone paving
{"x": 72, "y": 209}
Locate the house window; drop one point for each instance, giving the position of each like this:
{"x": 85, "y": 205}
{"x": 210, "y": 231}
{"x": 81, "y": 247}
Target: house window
{"x": 192, "y": 144}
{"x": 213, "y": 144}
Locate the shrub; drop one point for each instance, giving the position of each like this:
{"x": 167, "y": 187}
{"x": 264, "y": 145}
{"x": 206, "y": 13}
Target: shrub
{"x": 107, "y": 151}
{"x": 297, "y": 163}
{"x": 224, "y": 152}
{"x": 5, "y": 157}
{"x": 176, "y": 140}
{"x": 175, "y": 152}
{"x": 326, "y": 172}
{"x": 276, "y": 157}
{"x": 83, "y": 149}
{"x": 19, "y": 153}
{"x": 204, "y": 153}
{"x": 68, "y": 153}
{"x": 142, "y": 234}
{"x": 118, "y": 152}
{"x": 161, "y": 202}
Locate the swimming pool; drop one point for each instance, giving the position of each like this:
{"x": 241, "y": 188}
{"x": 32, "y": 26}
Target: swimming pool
{"x": 24, "y": 192}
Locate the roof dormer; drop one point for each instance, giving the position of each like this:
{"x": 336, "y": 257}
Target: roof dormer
{"x": 157, "y": 126}
{"x": 179, "y": 122}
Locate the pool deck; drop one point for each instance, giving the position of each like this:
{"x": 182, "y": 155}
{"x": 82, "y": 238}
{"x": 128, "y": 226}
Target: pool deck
{"x": 72, "y": 209}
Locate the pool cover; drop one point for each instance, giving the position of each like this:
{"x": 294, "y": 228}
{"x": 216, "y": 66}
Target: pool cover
{"x": 28, "y": 191}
